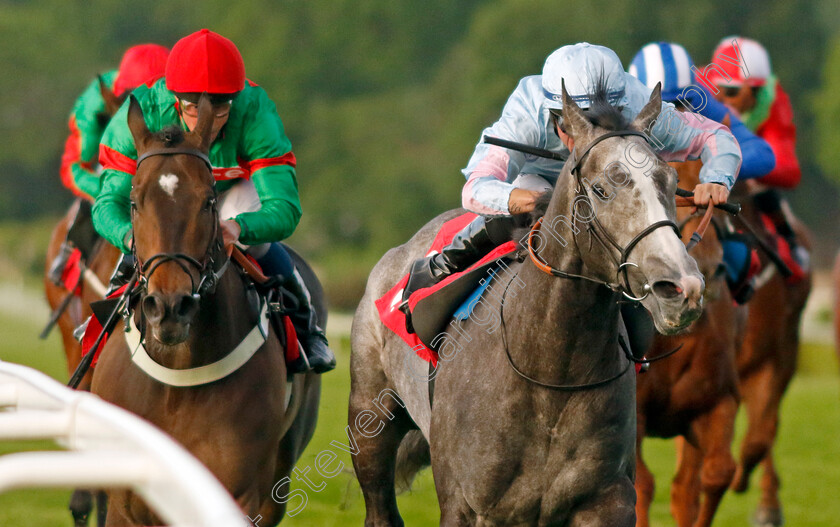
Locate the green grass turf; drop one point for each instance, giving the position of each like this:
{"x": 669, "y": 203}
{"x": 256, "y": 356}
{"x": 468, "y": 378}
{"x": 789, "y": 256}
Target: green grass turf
{"x": 807, "y": 451}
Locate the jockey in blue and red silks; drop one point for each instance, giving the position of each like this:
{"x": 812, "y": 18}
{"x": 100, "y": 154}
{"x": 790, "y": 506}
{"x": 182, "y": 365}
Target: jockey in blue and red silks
{"x": 671, "y": 65}
{"x": 502, "y": 183}
{"x": 745, "y": 82}
{"x": 141, "y": 63}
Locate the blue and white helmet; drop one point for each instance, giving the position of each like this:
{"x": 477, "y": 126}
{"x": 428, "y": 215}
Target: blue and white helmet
{"x": 663, "y": 62}
{"x": 581, "y": 66}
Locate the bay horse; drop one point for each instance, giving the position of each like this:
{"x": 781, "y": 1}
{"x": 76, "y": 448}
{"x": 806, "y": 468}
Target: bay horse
{"x": 693, "y": 394}
{"x": 233, "y": 424}
{"x": 506, "y": 449}
{"x": 766, "y": 363}
{"x": 101, "y": 262}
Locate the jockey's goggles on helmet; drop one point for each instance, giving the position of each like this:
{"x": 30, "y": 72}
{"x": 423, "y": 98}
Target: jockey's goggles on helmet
{"x": 190, "y": 109}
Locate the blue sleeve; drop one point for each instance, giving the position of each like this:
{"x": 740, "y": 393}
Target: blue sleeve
{"x": 757, "y": 157}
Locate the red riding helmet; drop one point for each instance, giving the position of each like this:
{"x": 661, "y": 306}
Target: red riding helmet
{"x": 205, "y": 62}
{"x": 749, "y": 55}
{"x": 138, "y": 65}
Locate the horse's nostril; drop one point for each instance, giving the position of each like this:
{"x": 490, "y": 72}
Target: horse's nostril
{"x": 153, "y": 307}
{"x": 186, "y": 307}
{"x": 667, "y": 289}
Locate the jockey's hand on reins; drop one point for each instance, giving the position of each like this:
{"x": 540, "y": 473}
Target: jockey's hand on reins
{"x": 685, "y": 198}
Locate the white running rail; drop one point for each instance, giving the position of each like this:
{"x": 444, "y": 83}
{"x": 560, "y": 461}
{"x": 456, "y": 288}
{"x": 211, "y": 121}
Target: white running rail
{"x": 108, "y": 447}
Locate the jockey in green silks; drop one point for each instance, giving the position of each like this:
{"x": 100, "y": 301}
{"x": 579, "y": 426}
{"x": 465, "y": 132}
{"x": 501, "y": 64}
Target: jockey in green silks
{"x": 88, "y": 119}
{"x": 252, "y": 159}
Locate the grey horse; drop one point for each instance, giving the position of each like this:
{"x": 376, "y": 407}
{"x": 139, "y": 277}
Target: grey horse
{"x": 534, "y": 419}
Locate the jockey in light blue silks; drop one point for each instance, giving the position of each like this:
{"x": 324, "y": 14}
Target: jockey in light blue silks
{"x": 671, "y": 65}
{"x": 502, "y": 183}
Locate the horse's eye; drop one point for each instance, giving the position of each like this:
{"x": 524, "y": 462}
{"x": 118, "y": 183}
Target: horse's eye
{"x": 209, "y": 204}
{"x": 600, "y": 190}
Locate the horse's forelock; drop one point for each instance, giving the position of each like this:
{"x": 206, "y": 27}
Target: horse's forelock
{"x": 601, "y": 112}
{"x": 170, "y": 136}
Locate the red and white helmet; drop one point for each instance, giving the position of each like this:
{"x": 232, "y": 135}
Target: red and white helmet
{"x": 205, "y": 62}
{"x": 140, "y": 64}
{"x": 748, "y": 64}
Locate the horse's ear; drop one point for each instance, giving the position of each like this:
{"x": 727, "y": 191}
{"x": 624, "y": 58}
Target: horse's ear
{"x": 650, "y": 112}
{"x": 203, "y": 130}
{"x": 112, "y": 102}
{"x": 137, "y": 125}
{"x": 574, "y": 122}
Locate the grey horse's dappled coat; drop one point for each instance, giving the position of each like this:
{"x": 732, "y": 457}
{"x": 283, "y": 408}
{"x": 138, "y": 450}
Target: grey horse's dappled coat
{"x": 505, "y": 451}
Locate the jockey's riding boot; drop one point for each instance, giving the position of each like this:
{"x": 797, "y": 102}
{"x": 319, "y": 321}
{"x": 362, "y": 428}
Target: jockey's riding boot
{"x": 471, "y": 243}
{"x": 318, "y": 356}
{"x": 60, "y": 262}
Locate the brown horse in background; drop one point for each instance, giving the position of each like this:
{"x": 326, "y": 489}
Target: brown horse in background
{"x": 766, "y": 363}
{"x": 101, "y": 262}
{"x": 234, "y": 424}
{"x": 693, "y": 394}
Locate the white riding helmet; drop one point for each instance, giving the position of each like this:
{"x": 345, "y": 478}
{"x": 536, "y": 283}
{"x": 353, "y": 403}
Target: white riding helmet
{"x": 581, "y": 66}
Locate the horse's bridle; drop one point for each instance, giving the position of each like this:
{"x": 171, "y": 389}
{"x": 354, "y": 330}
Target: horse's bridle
{"x": 622, "y": 264}
{"x": 209, "y": 276}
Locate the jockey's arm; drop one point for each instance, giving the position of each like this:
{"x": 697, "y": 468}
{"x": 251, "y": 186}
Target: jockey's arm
{"x": 757, "y": 156}
{"x": 112, "y": 209}
{"x": 82, "y": 145}
{"x": 780, "y": 133}
{"x": 118, "y": 157}
{"x": 679, "y": 136}
{"x": 487, "y": 190}
{"x": 269, "y": 151}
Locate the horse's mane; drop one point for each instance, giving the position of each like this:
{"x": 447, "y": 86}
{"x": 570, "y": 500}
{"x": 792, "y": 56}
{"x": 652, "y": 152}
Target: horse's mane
{"x": 170, "y": 136}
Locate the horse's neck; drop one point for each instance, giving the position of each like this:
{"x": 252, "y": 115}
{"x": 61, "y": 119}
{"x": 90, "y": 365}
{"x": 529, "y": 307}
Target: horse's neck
{"x": 223, "y": 319}
{"x": 552, "y": 321}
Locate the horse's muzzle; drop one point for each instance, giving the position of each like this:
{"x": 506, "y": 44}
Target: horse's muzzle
{"x": 680, "y": 302}
{"x": 170, "y": 315}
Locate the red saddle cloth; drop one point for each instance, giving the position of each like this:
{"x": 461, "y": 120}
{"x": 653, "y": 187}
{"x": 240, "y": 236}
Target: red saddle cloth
{"x": 388, "y": 304}
{"x": 72, "y": 274}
